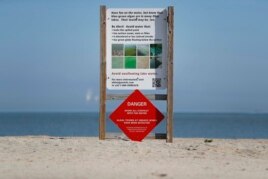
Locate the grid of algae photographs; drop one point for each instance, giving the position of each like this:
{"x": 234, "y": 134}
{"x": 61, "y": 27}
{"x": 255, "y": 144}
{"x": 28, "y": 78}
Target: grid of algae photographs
{"x": 136, "y": 56}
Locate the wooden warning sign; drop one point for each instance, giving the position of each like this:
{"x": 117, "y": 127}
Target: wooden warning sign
{"x": 136, "y": 52}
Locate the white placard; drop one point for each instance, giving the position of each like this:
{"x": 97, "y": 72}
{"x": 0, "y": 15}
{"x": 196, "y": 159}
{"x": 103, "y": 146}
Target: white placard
{"x": 136, "y": 48}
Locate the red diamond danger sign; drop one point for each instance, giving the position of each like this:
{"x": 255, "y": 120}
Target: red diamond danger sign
{"x": 136, "y": 116}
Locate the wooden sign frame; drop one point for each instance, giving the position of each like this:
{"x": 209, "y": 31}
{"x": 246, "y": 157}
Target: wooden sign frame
{"x": 104, "y": 96}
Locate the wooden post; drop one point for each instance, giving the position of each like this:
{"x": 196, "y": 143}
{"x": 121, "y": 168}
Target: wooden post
{"x": 102, "y": 114}
{"x": 170, "y": 75}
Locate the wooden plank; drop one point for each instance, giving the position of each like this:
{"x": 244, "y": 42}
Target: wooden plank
{"x": 118, "y": 135}
{"x": 102, "y": 115}
{"x": 170, "y": 75}
{"x": 124, "y": 96}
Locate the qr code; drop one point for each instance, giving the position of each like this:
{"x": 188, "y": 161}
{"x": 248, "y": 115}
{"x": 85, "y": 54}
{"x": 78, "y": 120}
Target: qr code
{"x": 156, "y": 82}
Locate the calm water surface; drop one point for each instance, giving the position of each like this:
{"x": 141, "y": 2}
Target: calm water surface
{"x": 86, "y": 124}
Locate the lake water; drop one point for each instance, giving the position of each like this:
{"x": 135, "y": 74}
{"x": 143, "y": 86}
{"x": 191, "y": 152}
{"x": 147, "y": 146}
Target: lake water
{"x": 86, "y": 124}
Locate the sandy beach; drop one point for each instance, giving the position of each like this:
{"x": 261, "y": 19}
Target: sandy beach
{"x": 81, "y": 157}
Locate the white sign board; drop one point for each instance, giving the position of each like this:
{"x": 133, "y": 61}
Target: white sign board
{"x": 136, "y": 48}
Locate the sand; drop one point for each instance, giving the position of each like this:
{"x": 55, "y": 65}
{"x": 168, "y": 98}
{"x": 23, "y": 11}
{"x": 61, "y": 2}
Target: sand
{"x": 81, "y": 157}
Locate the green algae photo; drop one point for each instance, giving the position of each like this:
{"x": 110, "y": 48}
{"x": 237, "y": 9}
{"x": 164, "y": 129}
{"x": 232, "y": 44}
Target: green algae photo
{"x": 136, "y": 56}
{"x": 155, "y": 49}
{"x": 117, "y": 62}
{"x": 155, "y": 62}
{"x": 130, "y": 62}
{"x": 143, "y": 50}
{"x": 130, "y": 50}
{"x": 143, "y": 62}
{"x": 117, "y": 49}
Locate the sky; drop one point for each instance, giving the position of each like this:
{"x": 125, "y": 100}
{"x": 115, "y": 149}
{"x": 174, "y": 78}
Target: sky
{"x": 49, "y": 54}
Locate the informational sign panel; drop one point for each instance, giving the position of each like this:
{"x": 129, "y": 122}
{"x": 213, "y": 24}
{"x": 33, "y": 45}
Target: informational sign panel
{"x": 136, "y": 116}
{"x": 136, "y": 48}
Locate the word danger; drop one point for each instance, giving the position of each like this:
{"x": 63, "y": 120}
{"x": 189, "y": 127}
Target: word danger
{"x": 136, "y": 103}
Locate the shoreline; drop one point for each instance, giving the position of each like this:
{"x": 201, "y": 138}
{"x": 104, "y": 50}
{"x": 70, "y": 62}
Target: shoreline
{"x": 88, "y": 157}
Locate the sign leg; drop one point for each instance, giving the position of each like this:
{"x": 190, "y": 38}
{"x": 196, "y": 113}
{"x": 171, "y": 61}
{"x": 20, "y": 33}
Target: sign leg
{"x": 102, "y": 116}
{"x": 170, "y": 75}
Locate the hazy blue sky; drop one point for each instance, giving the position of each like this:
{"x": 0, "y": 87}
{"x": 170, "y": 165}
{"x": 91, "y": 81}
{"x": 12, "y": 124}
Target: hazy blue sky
{"x": 49, "y": 54}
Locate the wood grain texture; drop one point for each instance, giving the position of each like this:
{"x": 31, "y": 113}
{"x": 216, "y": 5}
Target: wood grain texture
{"x": 102, "y": 119}
{"x": 170, "y": 74}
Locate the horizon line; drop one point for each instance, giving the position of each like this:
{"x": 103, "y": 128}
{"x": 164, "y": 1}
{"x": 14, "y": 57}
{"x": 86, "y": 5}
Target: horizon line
{"x": 181, "y": 112}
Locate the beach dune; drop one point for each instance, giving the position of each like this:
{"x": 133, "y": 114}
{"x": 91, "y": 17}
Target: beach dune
{"x": 88, "y": 157}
